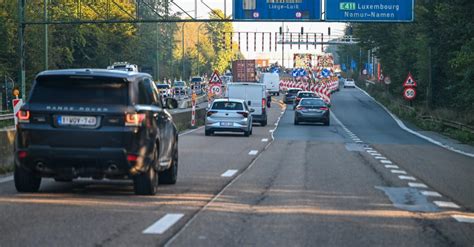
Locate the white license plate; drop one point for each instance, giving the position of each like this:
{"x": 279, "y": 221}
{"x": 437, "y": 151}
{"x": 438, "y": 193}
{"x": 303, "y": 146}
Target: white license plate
{"x": 316, "y": 110}
{"x": 77, "y": 121}
{"x": 227, "y": 124}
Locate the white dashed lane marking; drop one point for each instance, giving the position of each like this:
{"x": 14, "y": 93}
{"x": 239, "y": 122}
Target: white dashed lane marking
{"x": 264, "y": 140}
{"x": 417, "y": 185}
{"x": 464, "y": 218}
{"x": 407, "y": 178}
{"x": 380, "y": 158}
{"x": 398, "y": 171}
{"x": 431, "y": 193}
{"x": 375, "y": 154}
{"x": 253, "y": 152}
{"x": 385, "y": 161}
{"x": 163, "y": 224}
{"x": 392, "y": 166}
{"x": 443, "y": 204}
{"x": 229, "y": 173}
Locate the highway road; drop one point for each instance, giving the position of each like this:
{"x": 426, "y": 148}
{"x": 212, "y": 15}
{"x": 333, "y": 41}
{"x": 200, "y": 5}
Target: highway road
{"x": 362, "y": 181}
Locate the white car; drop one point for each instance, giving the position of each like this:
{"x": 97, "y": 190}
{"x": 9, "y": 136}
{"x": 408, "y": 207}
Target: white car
{"x": 255, "y": 95}
{"x": 229, "y": 115}
{"x": 349, "y": 82}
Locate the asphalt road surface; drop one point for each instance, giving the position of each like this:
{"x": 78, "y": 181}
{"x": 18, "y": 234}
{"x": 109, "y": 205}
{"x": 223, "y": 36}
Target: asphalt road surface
{"x": 362, "y": 181}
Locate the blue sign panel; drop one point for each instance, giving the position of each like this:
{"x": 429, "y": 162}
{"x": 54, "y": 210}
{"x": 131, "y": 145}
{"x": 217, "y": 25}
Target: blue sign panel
{"x": 370, "y": 10}
{"x": 277, "y": 10}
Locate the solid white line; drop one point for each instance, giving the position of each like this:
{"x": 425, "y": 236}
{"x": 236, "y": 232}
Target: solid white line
{"x": 191, "y": 131}
{"x": 253, "y": 152}
{"x": 265, "y": 140}
{"x": 385, "y": 161}
{"x": 402, "y": 126}
{"x": 392, "y": 166}
{"x": 6, "y": 179}
{"x": 407, "y": 178}
{"x": 380, "y": 158}
{"x": 443, "y": 204}
{"x": 431, "y": 193}
{"x": 464, "y": 218}
{"x": 163, "y": 224}
{"x": 417, "y": 185}
{"x": 229, "y": 173}
{"x": 398, "y": 171}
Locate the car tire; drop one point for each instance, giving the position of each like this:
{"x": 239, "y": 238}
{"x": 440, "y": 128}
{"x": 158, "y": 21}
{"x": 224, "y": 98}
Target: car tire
{"x": 207, "y": 132}
{"x": 326, "y": 123}
{"x": 264, "y": 123}
{"x": 278, "y": 94}
{"x": 146, "y": 183}
{"x": 297, "y": 122}
{"x": 170, "y": 176}
{"x": 246, "y": 133}
{"x": 26, "y": 181}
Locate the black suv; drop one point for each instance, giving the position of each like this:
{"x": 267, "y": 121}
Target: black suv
{"x": 96, "y": 123}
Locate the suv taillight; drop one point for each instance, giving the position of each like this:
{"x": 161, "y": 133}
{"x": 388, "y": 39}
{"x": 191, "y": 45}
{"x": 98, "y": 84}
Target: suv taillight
{"x": 264, "y": 103}
{"x": 134, "y": 119}
{"x": 245, "y": 114}
{"x": 209, "y": 113}
{"x": 23, "y": 116}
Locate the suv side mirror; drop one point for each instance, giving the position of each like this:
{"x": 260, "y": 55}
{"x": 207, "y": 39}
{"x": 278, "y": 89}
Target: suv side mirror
{"x": 171, "y": 103}
{"x": 252, "y": 110}
{"x": 249, "y": 103}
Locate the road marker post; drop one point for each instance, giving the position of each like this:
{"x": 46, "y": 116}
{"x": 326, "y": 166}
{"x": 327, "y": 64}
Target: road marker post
{"x": 193, "y": 110}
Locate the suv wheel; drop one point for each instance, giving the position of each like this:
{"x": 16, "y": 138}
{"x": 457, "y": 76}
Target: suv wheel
{"x": 26, "y": 181}
{"x": 263, "y": 123}
{"x": 171, "y": 175}
{"x": 146, "y": 183}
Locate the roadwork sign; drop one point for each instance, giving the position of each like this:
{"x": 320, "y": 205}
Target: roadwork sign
{"x": 215, "y": 78}
{"x": 409, "y": 82}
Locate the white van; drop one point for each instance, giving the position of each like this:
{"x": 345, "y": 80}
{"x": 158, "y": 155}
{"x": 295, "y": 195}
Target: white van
{"x": 254, "y": 94}
{"x": 272, "y": 82}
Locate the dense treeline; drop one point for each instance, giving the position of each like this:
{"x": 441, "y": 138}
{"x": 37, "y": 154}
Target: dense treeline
{"x": 439, "y": 45}
{"x": 156, "y": 47}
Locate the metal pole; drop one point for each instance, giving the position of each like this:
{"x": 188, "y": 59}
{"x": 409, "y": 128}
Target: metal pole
{"x": 46, "y": 48}
{"x": 195, "y": 9}
{"x": 182, "y": 47}
{"x": 283, "y": 44}
{"x": 429, "y": 94}
{"x": 157, "y": 71}
{"x": 21, "y": 36}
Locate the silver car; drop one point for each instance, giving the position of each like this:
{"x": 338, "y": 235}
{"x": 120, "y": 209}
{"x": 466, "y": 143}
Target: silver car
{"x": 229, "y": 115}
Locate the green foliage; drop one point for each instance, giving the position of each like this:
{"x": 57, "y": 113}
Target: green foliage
{"x": 440, "y": 42}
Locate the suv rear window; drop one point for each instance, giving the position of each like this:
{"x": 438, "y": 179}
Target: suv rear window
{"x": 67, "y": 90}
{"x": 229, "y": 106}
{"x": 293, "y": 91}
{"x": 306, "y": 95}
{"x": 312, "y": 102}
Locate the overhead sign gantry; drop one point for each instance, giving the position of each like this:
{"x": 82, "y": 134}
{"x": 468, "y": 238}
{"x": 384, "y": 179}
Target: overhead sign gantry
{"x": 277, "y": 10}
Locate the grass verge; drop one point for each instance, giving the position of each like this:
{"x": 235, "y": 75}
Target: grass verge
{"x": 414, "y": 114}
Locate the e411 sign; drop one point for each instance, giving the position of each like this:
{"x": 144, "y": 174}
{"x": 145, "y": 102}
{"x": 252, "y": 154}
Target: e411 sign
{"x": 370, "y": 10}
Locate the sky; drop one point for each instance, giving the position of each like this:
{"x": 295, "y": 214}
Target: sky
{"x": 337, "y": 29}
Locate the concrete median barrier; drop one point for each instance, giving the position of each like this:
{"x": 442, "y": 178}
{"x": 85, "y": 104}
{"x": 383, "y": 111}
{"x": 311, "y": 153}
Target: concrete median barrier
{"x": 182, "y": 120}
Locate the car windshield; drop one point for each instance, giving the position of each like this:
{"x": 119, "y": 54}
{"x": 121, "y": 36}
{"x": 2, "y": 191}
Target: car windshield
{"x": 229, "y": 106}
{"x": 67, "y": 90}
{"x": 162, "y": 86}
{"x": 312, "y": 102}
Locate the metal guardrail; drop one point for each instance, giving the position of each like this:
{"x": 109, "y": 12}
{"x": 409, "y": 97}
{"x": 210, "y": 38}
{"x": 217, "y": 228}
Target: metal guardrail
{"x": 449, "y": 123}
{"x": 6, "y": 116}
